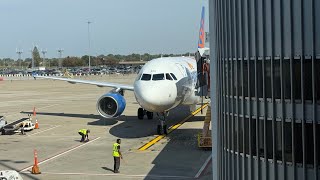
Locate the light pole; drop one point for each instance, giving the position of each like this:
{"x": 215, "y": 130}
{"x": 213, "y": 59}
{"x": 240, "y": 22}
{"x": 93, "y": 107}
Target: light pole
{"x": 60, "y": 57}
{"x": 89, "y": 22}
{"x": 19, "y": 52}
{"x": 44, "y": 51}
{"x": 32, "y": 59}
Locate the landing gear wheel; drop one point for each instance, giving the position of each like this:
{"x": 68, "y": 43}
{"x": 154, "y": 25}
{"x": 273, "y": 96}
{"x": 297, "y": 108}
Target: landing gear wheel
{"x": 162, "y": 130}
{"x": 162, "y": 127}
{"x": 165, "y": 130}
{"x": 140, "y": 113}
{"x": 150, "y": 115}
{"x": 159, "y": 130}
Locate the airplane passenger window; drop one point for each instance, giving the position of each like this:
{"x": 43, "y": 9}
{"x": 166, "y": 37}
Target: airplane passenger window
{"x": 146, "y": 77}
{"x": 173, "y": 76}
{"x": 157, "y": 77}
{"x": 168, "y": 77}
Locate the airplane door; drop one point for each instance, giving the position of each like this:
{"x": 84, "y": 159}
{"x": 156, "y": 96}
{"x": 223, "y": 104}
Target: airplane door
{"x": 181, "y": 69}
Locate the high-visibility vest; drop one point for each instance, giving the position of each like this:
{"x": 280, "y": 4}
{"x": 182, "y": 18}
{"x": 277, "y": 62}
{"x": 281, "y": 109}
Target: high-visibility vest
{"x": 83, "y": 131}
{"x": 115, "y": 150}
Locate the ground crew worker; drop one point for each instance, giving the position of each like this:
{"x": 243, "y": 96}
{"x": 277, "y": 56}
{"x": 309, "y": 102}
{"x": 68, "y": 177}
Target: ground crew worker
{"x": 84, "y": 134}
{"x": 116, "y": 156}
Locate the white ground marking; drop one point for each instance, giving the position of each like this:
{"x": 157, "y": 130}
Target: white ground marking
{"x": 44, "y": 130}
{"x": 60, "y": 154}
{"x": 203, "y": 167}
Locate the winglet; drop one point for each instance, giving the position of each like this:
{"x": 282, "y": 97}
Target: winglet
{"x": 202, "y": 32}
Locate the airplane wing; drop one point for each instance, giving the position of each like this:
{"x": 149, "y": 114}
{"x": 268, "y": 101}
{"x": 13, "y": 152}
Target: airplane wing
{"x": 99, "y": 84}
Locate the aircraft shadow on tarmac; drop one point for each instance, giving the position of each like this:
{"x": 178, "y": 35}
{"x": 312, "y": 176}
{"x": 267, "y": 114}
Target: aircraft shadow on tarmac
{"x": 89, "y": 116}
{"x": 100, "y": 120}
{"x": 142, "y": 128}
{"x": 136, "y": 128}
{"x": 180, "y": 158}
{"x": 130, "y": 126}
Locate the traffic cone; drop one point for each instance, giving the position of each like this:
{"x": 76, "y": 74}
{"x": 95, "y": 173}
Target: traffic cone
{"x": 34, "y": 111}
{"x": 36, "y": 125}
{"x": 35, "y": 168}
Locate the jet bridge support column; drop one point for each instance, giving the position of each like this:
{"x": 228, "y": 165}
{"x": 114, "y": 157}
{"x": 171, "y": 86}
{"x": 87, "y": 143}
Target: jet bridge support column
{"x": 204, "y": 138}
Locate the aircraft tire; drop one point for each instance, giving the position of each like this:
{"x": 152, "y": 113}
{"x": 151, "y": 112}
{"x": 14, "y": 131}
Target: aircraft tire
{"x": 140, "y": 113}
{"x": 165, "y": 130}
{"x": 159, "y": 130}
{"x": 150, "y": 115}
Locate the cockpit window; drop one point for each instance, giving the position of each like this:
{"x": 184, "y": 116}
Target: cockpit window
{"x": 146, "y": 77}
{"x": 139, "y": 77}
{"x": 157, "y": 77}
{"x": 173, "y": 76}
{"x": 168, "y": 77}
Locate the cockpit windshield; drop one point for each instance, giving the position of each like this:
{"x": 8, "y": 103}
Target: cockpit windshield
{"x": 146, "y": 77}
{"x": 168, "y": 77}
{"x": 157, "y": 77}
{"x": 173, "y": 76}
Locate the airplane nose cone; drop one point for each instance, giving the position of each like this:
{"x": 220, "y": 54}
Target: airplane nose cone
{"x": 155, "y": 96}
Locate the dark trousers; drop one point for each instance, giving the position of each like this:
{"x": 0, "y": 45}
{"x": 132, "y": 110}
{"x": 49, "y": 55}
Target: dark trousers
{"x": 82, "y": 136}
{"x": 116, "y": 164}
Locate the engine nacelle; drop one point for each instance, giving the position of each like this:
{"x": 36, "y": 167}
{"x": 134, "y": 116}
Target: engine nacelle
{"x": 111, "y": 105}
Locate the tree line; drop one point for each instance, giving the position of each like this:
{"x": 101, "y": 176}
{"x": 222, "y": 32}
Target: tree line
{"x": 74, "y": 61}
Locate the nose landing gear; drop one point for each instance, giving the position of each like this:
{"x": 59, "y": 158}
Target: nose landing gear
{"x": 162, "y": 127}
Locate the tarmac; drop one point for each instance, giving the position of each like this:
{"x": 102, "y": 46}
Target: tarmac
{"x": 63, "y": 108}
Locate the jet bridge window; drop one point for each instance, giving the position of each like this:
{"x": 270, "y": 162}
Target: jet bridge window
{"x": 173, "y": 76}
{"x": 157, "y": 77}
{"x": 168, "y": 77}
{"x": 146, "y": 77}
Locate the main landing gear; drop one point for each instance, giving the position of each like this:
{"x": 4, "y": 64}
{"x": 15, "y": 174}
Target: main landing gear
{"x": 162, "y": 127}
{"x": 142, "y": 112}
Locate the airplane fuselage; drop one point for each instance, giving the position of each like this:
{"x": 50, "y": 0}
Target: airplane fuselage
{"x": 164, "y": 83}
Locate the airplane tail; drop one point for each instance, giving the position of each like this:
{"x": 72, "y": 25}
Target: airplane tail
{"x": 202, "y": 32}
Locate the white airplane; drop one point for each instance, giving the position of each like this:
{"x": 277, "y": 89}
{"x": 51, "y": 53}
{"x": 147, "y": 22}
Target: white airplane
{"x": 161, "y": 85}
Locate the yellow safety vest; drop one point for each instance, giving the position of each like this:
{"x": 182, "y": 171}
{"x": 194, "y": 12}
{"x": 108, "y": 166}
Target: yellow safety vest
{"x": 83, "y": 131}
{"x": 115, "y": 150}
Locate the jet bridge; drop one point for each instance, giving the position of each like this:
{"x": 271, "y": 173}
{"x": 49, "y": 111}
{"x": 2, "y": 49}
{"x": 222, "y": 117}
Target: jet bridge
{"x": 203, "y": 90}
{"x": 203, "y": 68}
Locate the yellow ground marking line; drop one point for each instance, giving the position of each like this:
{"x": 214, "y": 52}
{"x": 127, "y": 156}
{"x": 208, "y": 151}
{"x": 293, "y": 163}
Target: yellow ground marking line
{"x": 171, "y": 128}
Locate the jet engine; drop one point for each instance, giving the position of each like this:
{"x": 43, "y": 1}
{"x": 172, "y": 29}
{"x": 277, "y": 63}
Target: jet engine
{"x": 111, "y": 104}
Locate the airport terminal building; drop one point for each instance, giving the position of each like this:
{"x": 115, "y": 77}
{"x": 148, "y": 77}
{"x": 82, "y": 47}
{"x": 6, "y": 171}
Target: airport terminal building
{"x": 267, "y": 77}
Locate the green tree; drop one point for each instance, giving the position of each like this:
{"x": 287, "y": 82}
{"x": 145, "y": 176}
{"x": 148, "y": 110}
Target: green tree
{"x": 73, "y": 62}
{"x": 36, "y": 56}
{"x": 54, "y": 62}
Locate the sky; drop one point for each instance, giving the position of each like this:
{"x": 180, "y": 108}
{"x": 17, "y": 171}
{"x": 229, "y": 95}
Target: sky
{"x": 118, "y": 26}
